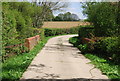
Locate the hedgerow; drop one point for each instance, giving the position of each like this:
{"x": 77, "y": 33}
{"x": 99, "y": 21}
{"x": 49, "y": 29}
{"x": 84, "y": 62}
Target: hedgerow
{"x": 19, "y": 23}
{"x": 60, "y": 31}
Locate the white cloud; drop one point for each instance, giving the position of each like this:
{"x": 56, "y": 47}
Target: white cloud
{"x": 73, "y": 8}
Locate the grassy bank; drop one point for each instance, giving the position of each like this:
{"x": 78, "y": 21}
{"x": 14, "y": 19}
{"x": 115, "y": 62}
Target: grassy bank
{"x": 106, "y": 66}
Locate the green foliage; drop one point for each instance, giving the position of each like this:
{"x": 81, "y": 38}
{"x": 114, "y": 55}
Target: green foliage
{"x": 74, "y": 41}
{"x": 107, "y": 67}
{"x": 60, "y": 31}
{"x": 9, "y": 26}
{"x": 33, "y": 11}
{"x": 83, "y": 48}
{"x": 109, "y": 47}
{"x": 85, "y": 31}
{"x": 103, "y": 15}
{"x": 9, "y": 32}
{"x": 66, "y": 17}
{"x": 39, "y": 32}
{"x": 18, "y": 24}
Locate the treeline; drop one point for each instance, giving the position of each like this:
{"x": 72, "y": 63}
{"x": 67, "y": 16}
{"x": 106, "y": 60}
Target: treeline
{"x": 66, "y": 17}
{"x": 21, "y": 20}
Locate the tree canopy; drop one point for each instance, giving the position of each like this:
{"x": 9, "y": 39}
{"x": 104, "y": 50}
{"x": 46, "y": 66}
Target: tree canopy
{"x": 103, "y": 15}
{"x": 66, "y": 17}
{"x": 24, "y": 19}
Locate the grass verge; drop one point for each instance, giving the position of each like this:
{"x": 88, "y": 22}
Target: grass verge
{"x": 107, "y": 67}
{"x": 13, "y": 68}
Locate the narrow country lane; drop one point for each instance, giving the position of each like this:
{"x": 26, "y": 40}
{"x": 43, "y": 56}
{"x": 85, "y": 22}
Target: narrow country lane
{"x": 60, "y": 60}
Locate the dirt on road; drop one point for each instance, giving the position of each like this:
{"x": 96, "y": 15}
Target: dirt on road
{"x": 60, "y": 60}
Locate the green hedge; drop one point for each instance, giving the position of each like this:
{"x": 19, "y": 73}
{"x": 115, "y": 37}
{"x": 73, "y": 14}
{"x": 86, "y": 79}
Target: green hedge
{"x": 74, "y": 41}
{"x": 18, "y": 25}
{"x": 84, "y": 31}
{"x": 60, "y": 31}
{"x": 104, "y": 16}
{"x": 109, "y": 47}
{"x": 7, "y": 52}
{"x": 39, "y": 31}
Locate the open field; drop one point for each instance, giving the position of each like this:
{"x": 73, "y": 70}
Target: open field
{"x": 63, "y": 24}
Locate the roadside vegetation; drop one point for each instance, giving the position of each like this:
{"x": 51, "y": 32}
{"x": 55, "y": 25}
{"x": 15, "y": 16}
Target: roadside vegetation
{"x": 19, "y": 23}
{"x": 59, "y": 31}
{"x": 101, "y": 41}
{"x": 22, "y": 20}
{"x": 13, "y": 68}
{"x": 100, "y": 60}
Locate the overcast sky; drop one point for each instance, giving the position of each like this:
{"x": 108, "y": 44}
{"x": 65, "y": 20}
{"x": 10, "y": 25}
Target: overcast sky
{"x": 73, "y": 7}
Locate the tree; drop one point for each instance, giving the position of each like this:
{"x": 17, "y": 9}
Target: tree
{"x": 103, "y": 16}
{"x": 9, "y": 32}
{"x": 66, "y": 17}
{"x": 47, "y": 9}
{"x": 17, "y": 24}
{"x": 118, "y": 17}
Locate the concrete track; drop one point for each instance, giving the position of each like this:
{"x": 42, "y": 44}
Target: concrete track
{"x": 60, "y": 60}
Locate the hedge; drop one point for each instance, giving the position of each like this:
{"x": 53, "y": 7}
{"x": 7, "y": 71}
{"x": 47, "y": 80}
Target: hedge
{"x": 18, "y": 25}
{"x": 85, "y": 31}
{"x": 60, "y": 31}
{"x": 19, "y": 48}
{"x": 109, "y": 47}
{"x": 39, "y": 31}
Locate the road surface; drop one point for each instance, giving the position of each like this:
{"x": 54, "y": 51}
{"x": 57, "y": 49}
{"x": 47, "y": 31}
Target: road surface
{"x": 60, "y": 60}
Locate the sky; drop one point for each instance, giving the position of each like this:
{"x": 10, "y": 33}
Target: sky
{"x": 73, "y": 7}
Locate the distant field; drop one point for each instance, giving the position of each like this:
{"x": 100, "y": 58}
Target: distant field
{"x": 63, "y": 24}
